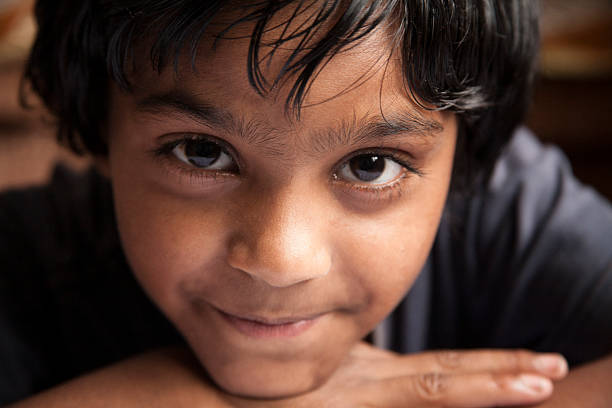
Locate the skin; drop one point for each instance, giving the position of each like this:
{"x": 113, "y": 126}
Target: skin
{"x": 287, "y": 235}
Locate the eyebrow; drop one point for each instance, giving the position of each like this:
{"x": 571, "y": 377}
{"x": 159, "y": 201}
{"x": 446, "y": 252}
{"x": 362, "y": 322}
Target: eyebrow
{"x": 184, "y": 103}
{"x": 376, "y": 130}
{"x": 354, "y": 132}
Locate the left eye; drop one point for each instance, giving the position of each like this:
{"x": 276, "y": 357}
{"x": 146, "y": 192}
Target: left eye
{"x": 204, "y": 154}
{"x": 371, "y": 169}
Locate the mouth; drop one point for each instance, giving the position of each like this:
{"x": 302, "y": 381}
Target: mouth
{"x": 262, "y": 327}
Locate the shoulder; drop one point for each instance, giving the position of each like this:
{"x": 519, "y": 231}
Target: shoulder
{"x": 533, "y": 196}
{"x": 68, "y": 302}
{"x": 525, "y": 261}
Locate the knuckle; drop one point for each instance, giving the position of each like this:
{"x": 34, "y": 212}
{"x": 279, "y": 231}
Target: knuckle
{"x": 448, "y": 359}
{"x": 431, "y": 386}
{"x": 517, "y": 359}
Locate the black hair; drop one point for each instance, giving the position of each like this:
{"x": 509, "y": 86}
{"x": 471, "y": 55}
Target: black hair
{"x": 472, "y": 57}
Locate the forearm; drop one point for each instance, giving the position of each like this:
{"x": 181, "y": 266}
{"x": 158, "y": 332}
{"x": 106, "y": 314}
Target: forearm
{"x": 588, "y": 386}
{"x": 167, "y": 378}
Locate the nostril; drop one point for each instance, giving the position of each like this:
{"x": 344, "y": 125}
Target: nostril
{"x": 238, "y": 255}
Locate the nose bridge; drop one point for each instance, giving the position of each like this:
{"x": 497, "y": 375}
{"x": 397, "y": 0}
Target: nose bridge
{"x": 279, "y": 239}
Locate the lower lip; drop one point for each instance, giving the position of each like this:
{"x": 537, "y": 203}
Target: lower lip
{"x": 263, "y": 331}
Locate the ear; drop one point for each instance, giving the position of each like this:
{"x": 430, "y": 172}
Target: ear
{"x": 102, "y": 165}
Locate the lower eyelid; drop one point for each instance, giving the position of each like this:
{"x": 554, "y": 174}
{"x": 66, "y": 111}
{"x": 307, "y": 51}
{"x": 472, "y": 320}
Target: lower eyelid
{"x": 366, "y": 192}
{"x": 371, "y": 199}
{"x": 177, "y": 168}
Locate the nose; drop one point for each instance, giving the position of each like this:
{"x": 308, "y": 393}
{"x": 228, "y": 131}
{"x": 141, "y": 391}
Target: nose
{"x": 280, "y": 241}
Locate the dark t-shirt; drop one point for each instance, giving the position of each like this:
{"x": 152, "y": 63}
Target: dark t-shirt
{"x": 525, "y": 262}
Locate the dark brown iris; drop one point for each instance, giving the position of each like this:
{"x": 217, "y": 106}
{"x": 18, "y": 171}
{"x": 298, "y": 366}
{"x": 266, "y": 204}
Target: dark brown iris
{"x": 367, "y": 167}
{"x": 202, "y": 153}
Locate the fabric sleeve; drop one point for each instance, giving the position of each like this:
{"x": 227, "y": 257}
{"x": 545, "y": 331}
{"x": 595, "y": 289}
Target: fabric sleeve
{"x": 538, "y": 258}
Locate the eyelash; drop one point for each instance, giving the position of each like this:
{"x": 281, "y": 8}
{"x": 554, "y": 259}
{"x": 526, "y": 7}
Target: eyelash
{"x": 383, "y": 192}
{"x": 196, "y": 175}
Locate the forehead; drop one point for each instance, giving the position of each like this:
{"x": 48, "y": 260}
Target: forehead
{"x": 361, "y": 82}
{"x": 224, "y": 52}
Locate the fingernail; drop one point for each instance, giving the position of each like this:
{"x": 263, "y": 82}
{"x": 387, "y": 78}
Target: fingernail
{"x": 550, "y": 364}
{"x": 532, "y": 384}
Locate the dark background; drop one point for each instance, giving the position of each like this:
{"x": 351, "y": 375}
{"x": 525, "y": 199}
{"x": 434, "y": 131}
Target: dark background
{"x": 573, "y": 96}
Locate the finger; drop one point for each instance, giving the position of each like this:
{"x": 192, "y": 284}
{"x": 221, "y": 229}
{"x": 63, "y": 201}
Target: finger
{"x": 459, "y": 391}
{"x": 550, "y": 365}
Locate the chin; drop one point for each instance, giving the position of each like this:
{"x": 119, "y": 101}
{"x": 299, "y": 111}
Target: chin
{"x": 269, "y": 380}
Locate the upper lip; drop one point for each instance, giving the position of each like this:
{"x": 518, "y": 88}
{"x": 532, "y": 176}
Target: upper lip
{"x": 271, "y": 321}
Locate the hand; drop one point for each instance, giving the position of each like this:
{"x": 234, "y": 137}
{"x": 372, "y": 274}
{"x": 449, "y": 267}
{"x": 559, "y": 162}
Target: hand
{"x": 370, "y": 377}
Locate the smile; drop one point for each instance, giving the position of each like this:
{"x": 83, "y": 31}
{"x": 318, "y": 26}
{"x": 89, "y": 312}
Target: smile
{"x": 259, "y": 327}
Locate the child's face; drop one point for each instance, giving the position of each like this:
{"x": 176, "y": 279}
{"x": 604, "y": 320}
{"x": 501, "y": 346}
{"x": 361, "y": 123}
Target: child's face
{"x": 282, "y": 224}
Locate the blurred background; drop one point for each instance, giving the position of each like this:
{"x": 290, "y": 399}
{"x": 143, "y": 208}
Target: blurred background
{"x": 572, "y": 101}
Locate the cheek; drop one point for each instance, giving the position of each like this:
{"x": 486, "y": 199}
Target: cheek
{"x": 167, "y": 240}
{"x": 385, "y": 259}
{"x": 386, "y": 252}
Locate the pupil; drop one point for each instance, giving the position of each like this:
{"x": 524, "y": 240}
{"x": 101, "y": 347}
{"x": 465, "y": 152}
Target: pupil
{"x": 202, "y": 154}
{"x": 367, "y": 167}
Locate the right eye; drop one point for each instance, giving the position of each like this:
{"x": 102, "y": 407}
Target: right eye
{"x": 204, "y": 154}
{"x": 372, "y": 169}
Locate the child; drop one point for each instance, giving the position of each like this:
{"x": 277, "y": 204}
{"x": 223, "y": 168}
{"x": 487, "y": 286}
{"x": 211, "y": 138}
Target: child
{"x": 278, "y": 175}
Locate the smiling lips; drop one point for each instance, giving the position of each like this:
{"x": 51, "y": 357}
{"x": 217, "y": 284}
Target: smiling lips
{"x": 263, "y": 328}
